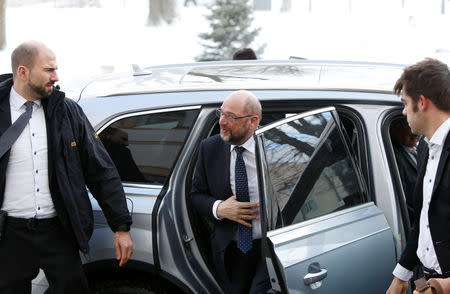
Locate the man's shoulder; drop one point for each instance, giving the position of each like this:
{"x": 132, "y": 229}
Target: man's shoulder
{"x": 5, "y": 86}
{"x": 74, "y": 108}
{"x": 71, "y": 103}
{"x": 214, "y": 144}
{"x": 6, "y": 80}
{"x": 215, "y": 140}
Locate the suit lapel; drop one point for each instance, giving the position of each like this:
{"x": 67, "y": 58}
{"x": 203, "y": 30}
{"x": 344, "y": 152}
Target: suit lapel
{"x": 411, "y": 161}
{"x": 226, "y": 167}
{"x": 442, "y": 162}
{"x": 408, "y": 157}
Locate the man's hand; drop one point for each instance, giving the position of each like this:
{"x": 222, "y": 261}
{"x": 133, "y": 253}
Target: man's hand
{"x": 397, "y": 286}
{"x": 124, "y": 246}
{"x": 439, "y": 286}
{"x": 238, "y": 211}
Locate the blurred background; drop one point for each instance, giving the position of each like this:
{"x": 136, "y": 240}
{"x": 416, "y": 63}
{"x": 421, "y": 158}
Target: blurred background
{"x": 92, "y": 37}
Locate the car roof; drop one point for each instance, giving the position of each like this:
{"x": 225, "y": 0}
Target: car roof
{"x": 250, "y": 75}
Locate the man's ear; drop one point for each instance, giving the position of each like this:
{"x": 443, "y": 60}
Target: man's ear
{"x": 22, "y": 72}
{"x": 423, "y": 103}
{"x": 255, "y": 122}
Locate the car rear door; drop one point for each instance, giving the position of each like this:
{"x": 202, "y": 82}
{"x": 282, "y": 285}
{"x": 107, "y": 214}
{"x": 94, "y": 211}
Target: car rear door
{"x": 323, "y": 234}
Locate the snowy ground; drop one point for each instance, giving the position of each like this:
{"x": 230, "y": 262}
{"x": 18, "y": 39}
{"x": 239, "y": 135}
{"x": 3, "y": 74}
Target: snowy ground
{"x": 91, "y": 41}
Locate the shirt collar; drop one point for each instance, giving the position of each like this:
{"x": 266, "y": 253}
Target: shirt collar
{"x": 249, "y": 145}
{"x": 440, "y": 135}
{"x": 16, "y": 101}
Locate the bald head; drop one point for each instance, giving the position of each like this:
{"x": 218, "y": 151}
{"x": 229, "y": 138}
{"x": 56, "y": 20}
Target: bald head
{"x": 34, "y": 70}
{"x": 26, "y": 54}
{"x": 246, "y": 101}
{"x": 241, "y": 115}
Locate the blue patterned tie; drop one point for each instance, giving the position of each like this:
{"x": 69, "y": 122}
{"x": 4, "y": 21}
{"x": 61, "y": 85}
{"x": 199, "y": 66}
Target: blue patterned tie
{"x": 13, "y": 132}
{"x": 244, "y": 238}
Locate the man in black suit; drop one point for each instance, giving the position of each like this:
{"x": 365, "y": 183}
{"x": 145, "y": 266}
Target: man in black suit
{"x": 425, "y": 91}
{"x": 404, "y": 144}
{"x": 216, "y": 195}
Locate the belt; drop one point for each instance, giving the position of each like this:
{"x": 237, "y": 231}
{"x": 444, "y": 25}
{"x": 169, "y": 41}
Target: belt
{"x": 431, "y": 273}
{"x": 31, "y": 223}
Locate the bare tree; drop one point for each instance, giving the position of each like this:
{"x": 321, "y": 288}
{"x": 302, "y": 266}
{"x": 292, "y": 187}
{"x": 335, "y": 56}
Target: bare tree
{"x": 161, "y": 10}
{"x": 2, "y": 24}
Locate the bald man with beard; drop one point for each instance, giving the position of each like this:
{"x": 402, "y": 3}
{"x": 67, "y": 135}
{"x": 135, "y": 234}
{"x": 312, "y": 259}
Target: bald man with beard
{"x": 216, "y": 195}
{"x": 44, "y": 203}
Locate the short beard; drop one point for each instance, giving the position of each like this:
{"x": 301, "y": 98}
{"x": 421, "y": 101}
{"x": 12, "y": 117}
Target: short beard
{"x": 235, "y": 140}
{"x": 41, "y": 92}
{"x": 225, "y": 138}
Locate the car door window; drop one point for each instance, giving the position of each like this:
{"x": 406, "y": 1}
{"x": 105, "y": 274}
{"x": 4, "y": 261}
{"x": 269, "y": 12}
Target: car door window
{"x": 144, "y": 146}
{"x": 308, "y": 169}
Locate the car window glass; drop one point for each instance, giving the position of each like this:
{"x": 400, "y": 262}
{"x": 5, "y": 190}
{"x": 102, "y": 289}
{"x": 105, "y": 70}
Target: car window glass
{"x": 145, "y": 147}
{"x": 309, "y": 169}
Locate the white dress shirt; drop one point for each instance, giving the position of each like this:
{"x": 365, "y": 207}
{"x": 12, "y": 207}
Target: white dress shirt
{"x": 425, "y": 249}
{"x": 252, "y": 178}
{"x": 27, "y": 191}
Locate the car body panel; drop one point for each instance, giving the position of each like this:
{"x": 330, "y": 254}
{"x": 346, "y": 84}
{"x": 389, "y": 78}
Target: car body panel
{"x": 162, "y": 231}
{"x": 352, "y": 233}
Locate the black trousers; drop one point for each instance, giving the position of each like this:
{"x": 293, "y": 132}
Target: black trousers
{"x": 247, "y": 273}
{"x": 30, "y": 244}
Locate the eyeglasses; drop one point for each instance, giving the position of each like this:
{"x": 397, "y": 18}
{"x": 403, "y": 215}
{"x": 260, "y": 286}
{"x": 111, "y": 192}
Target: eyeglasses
{"x": 228, "y": 116}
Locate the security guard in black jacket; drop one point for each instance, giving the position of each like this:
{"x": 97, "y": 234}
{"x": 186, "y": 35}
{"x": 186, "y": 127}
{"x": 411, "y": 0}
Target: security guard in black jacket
{"x": 43, "y": 177}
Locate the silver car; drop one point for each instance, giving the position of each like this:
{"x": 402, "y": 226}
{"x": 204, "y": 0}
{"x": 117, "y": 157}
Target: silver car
{"x": 333, "y": 209}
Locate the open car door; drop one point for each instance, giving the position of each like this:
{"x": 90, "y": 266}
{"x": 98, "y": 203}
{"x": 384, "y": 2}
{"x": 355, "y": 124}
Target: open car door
{"x": 322, "y": 233}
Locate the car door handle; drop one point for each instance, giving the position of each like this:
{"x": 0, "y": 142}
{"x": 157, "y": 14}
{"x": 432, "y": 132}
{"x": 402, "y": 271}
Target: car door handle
{"x": 315, "y": 274}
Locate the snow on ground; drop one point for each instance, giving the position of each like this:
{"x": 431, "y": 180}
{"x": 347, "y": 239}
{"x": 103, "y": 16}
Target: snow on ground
{"x": 92, "y": 41}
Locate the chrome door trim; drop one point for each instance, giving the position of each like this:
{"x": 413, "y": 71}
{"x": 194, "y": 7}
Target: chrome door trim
{"x": 104, "y": 126}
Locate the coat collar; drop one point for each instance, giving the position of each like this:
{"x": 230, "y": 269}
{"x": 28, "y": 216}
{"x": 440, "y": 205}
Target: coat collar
{"x": 443, "y": 161}
{"x": 5, "y": 111}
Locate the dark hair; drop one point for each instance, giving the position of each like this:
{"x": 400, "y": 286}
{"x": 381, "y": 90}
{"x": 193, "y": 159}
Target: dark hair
{"x": 25, "y": 55}
{"x": 244, "y": 54}
{"x": 430, "y": 78}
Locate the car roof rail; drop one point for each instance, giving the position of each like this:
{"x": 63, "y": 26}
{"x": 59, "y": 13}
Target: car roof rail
{"x": 296, "y": 57}
{"x": 137, "y": 71}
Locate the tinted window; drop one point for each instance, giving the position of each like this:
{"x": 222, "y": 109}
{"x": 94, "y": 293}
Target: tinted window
{"x": 309, "y": 170}
{"x": 145, "y": 147}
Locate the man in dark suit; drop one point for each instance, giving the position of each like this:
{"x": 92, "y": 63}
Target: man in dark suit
{"x": 425, "y": 91}
{"x": 404, "y": 144}
{"x": 217, "y": 195}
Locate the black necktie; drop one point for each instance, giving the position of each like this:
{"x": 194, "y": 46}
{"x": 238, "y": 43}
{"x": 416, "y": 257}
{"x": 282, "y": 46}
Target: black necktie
{"x": 13, "y": 132}
{"x": 244, "y": 238}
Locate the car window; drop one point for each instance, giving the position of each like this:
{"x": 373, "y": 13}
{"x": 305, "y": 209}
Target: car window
{"x": 144, "y": 147}
{"x": 309, "y": 169}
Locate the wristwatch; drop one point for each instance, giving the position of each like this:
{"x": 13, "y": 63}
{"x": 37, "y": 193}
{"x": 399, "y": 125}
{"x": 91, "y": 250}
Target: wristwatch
{"x": 123, "y": 228}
